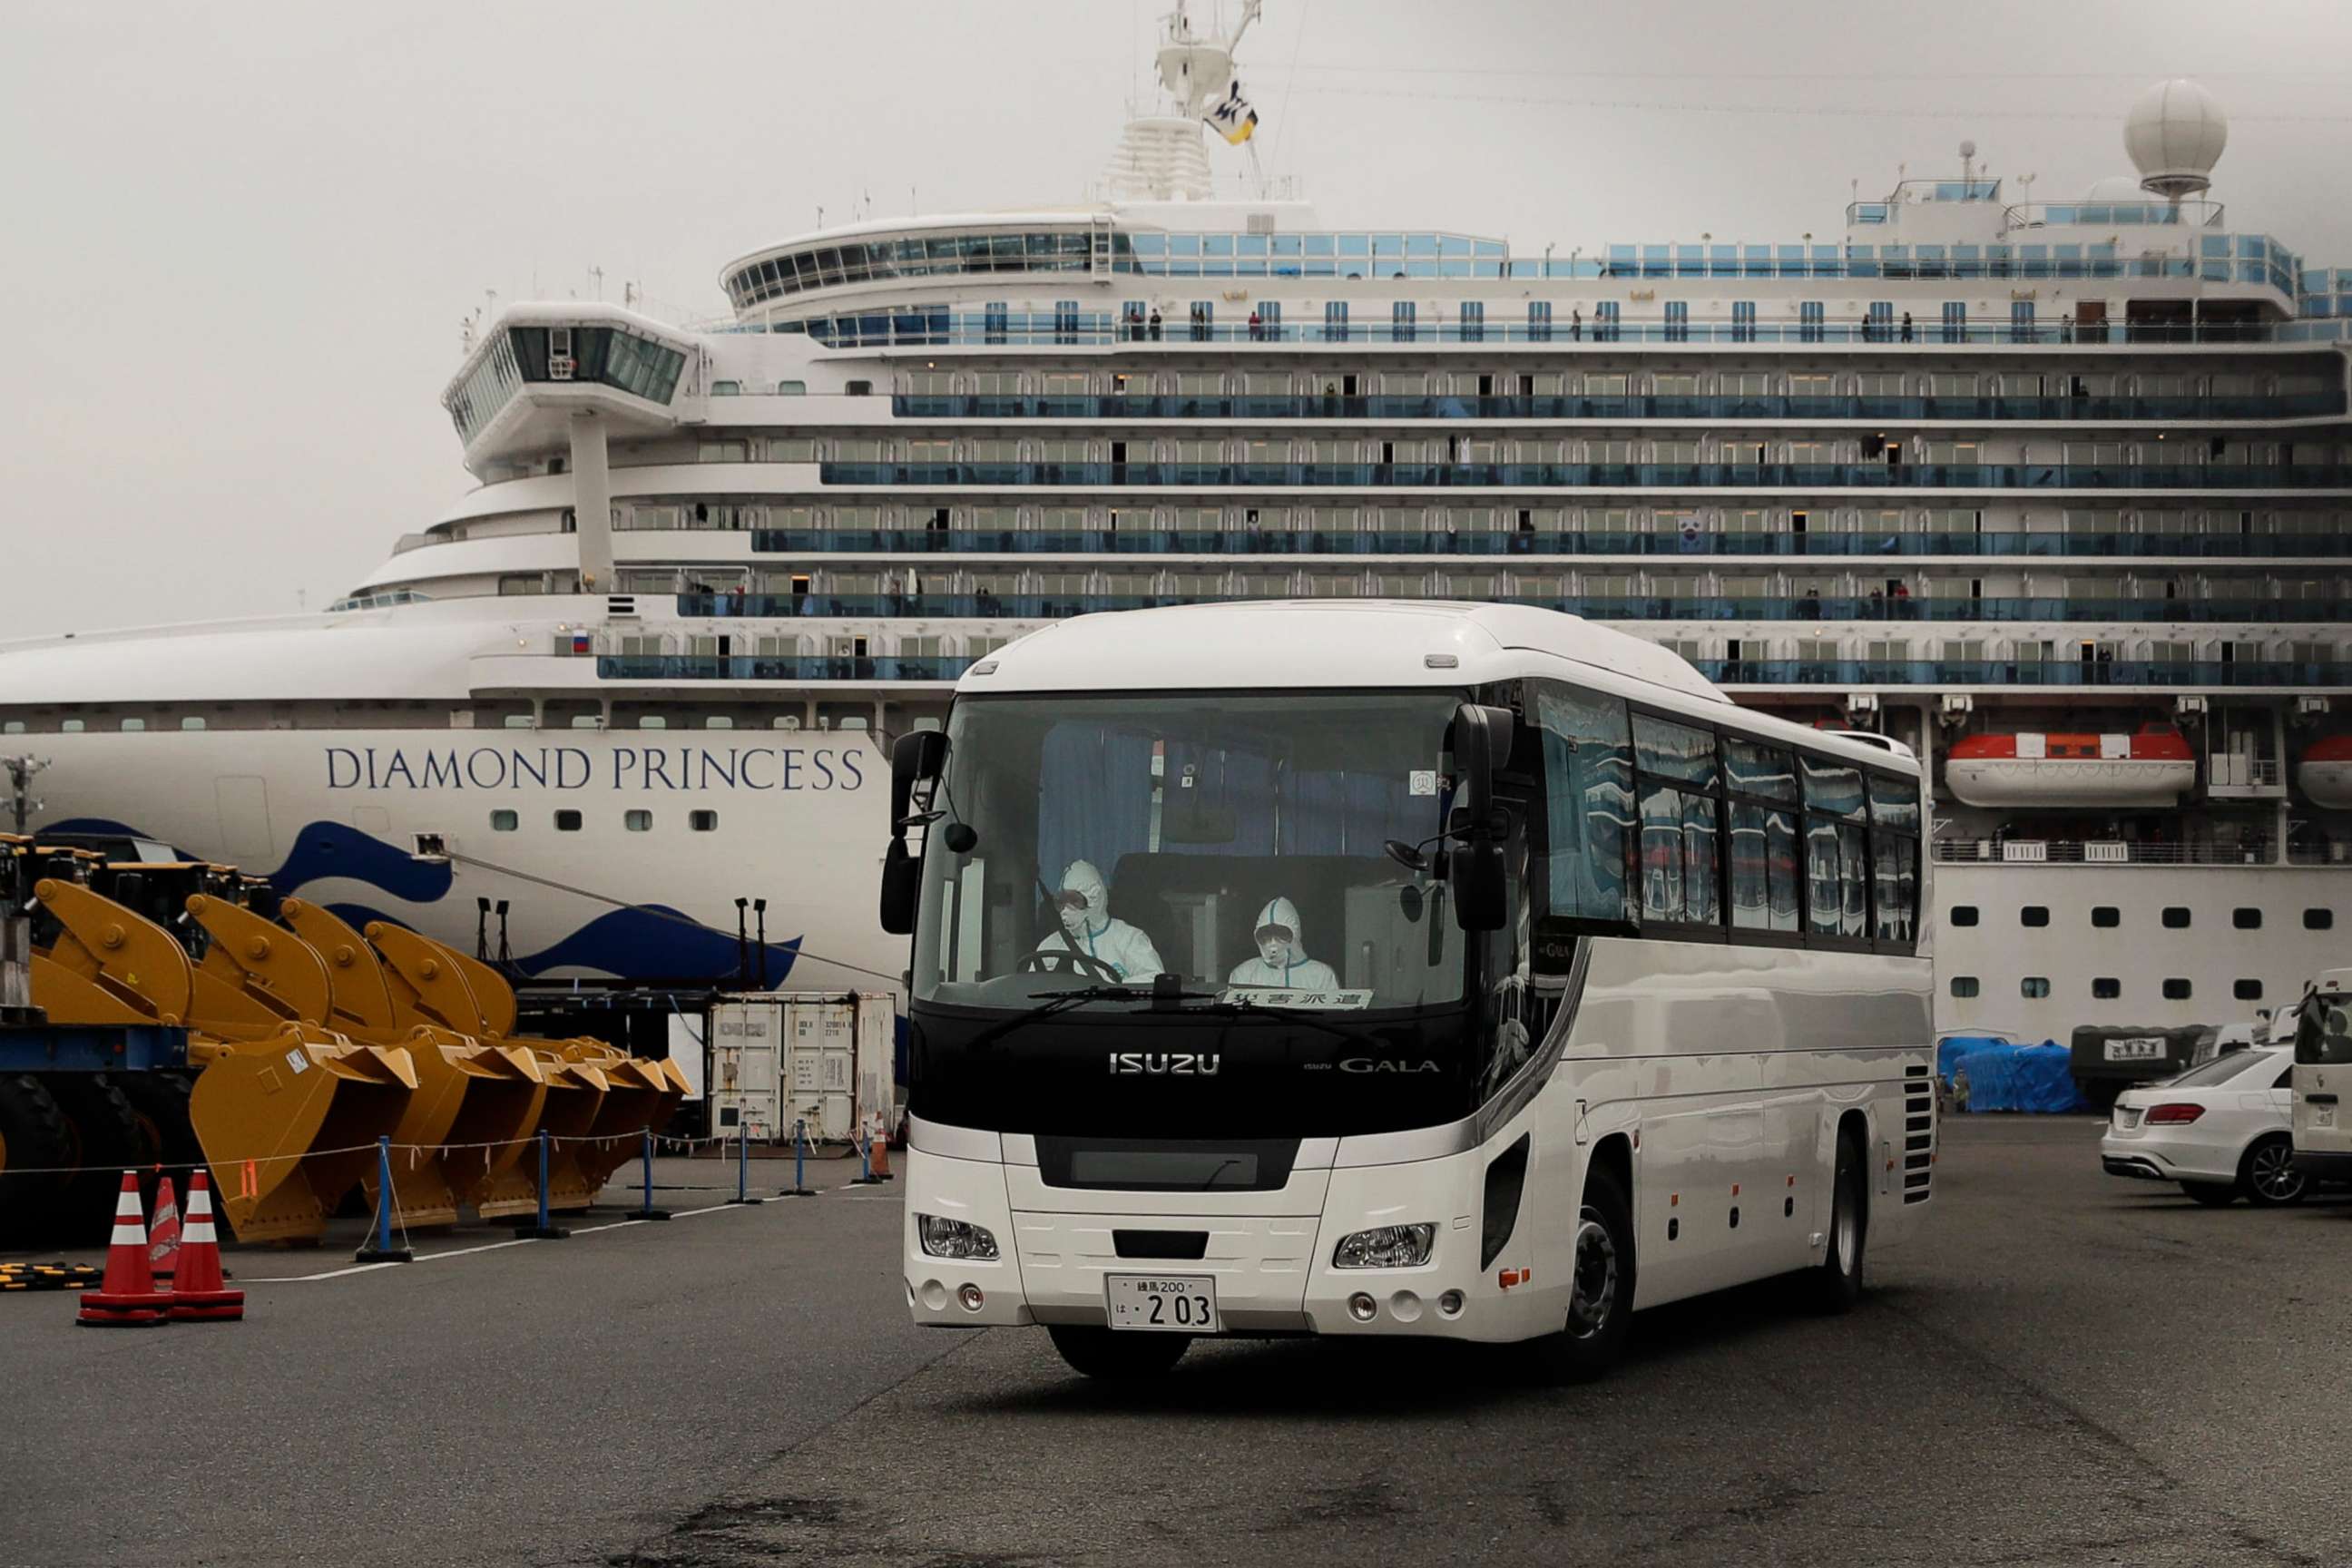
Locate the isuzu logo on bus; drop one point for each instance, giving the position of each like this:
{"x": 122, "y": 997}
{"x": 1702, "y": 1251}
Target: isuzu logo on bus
{"x": 1179, "y": 1064}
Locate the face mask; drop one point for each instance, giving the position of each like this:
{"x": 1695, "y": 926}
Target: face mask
{"x": 1274, "y": 949}
{"x": 1074, "y": 918}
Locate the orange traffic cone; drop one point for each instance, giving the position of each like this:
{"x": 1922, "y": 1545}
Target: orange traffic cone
{"x": 128, "y": 1298}
{"x": 163, "y": 1236}
{"x": 880, "y": 1166}
{"x": 198, "y": 1294}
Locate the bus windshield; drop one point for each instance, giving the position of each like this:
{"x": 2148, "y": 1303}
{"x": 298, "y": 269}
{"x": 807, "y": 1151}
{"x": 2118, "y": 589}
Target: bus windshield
{"x": 1228, "y": 848}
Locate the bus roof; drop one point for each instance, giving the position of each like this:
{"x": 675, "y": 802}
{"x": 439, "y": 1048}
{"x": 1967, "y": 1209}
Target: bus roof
{"x": 1290, "y": 644}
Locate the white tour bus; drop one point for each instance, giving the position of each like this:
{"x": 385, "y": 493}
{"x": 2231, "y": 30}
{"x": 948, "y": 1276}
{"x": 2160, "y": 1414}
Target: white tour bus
{"x": 2323, "y": 1070}
{"x": 1370, "y": 968}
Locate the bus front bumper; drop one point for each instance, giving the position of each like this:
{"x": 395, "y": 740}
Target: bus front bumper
{"x": 1273, "y": 1270}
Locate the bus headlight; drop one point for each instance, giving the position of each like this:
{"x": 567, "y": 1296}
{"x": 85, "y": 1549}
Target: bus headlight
{"x": 1388, "y": 1246}
{"x": 954, "y": 1238}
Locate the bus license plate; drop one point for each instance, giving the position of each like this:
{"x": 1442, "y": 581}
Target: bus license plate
{"x": 1180, "y": 1304}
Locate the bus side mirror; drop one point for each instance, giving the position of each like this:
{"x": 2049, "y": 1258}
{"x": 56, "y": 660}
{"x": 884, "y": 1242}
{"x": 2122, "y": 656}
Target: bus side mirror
{"x": 914, "y": 758}
{"x": 1481, "y": 744}
{"x": 902, "y": 877}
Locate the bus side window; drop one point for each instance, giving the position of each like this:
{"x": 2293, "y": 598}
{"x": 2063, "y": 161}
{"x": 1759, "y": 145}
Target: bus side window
{"x": 1587, "y": 767}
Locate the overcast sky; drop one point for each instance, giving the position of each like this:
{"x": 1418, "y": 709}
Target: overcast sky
{"x": 240, "y": 237}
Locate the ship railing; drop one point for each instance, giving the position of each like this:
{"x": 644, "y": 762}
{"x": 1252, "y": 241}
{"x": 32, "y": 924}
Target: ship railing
{"x": 1880, "y": 476}
{"x": 2157, "y": 674}
{"x": 2329, "y": 852}
{"x": 1852, "y": 673}
{"x": 2099, "y": 852}
{"x": 1093, "y": 329}
{"x": 1703, "y": 538}
{"x": 1608, "y": 607}
{"x": 2308, "y": 403}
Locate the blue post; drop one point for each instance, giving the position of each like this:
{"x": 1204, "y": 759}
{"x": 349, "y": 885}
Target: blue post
{"x": 648, "y": 1211}
{"x": 384, "y": 1252}
{"x": 743, "y": 1162}
{"x": 799, "y": 1189}
{"x": 545, "y": 1229}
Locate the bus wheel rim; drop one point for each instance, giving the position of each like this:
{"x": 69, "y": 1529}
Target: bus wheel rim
{"x": 1592, "y": 1294}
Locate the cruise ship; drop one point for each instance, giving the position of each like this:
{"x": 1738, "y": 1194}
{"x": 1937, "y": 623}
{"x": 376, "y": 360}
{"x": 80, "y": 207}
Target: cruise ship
{"x": 2053, "y": 491}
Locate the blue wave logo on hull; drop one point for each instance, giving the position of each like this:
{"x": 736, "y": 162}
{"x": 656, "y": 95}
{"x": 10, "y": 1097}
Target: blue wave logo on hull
{"x": 325, "y": 849}
{"x": 644, "y": 941}
{"x": 648, "y": 942}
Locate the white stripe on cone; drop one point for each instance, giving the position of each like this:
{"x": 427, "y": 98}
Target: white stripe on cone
{"x": 198, "y": 1230}
{"x": 127, "y": 1207}
{"x": 128, "y": 1235}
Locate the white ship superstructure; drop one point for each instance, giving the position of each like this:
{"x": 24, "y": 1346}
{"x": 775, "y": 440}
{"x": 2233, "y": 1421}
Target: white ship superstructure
{"x": 2053, "y": 491}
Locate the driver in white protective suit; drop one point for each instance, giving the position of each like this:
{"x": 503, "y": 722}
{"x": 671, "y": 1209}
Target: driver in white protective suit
{"x": 1087, "y": 927}
{"x": 1282, "y": 963}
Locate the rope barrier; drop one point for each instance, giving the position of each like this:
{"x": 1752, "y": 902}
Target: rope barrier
{"x": 248, "y": 1163}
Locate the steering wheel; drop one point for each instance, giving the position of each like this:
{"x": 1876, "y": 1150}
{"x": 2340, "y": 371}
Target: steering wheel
{"x": 1055, "y": 960}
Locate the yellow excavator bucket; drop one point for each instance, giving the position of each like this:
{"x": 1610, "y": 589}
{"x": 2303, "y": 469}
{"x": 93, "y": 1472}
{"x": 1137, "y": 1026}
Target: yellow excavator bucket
{"x": 290, "y": 1125}
{"x": 477, "y": 1103}
{"x": 574, "y": 1092}
{"x": 633, "y": 1094}
{"x": 286, "y": 1110}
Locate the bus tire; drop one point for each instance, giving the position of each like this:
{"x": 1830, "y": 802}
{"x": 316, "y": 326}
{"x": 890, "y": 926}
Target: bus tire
{"x": 1601, "y": 1300}
{"x": 1116, "y": 1357}
{"x": 1837, "y": 1277}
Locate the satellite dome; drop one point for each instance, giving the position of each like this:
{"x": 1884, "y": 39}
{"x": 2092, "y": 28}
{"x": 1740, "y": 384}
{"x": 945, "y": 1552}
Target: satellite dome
{"x": 2174, "y": 135}
{"x": 2115, "y": 189}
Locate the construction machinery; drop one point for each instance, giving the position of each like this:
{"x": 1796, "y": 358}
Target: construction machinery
{"x": 309, "y": 1042}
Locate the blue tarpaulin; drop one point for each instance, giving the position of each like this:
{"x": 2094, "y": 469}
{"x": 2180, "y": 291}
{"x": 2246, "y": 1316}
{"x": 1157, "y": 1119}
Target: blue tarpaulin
{"x": 1952, "y": 1047}
{"x": 2002, "y": 1076}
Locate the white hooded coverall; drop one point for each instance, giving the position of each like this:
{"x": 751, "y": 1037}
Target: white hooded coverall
{"x": 1091, "y": 930}
{"x": 1289, "y": 969}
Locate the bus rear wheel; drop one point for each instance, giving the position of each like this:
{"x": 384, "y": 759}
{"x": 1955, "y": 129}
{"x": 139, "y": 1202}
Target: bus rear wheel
{"x": 1116, "y": 1357}
{"x": 1601, "y": 1289}
{"x": 1837, "y": 1279}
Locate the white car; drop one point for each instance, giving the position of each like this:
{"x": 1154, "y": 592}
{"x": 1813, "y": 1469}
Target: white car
{"x": 2219, "y": 1130}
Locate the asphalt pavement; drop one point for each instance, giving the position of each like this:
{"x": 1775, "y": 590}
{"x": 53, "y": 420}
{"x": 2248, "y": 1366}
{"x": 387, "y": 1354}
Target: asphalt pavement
{"x": 2065, "y": 1369}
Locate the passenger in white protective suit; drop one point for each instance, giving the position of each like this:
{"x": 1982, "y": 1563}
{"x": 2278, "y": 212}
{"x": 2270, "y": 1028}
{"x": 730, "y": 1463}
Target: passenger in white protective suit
{"x": 1282, "y": 963}
{"x": 1087, "y": 927}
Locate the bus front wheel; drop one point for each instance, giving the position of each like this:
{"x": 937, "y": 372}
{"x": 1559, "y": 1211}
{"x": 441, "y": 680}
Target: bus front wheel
{"x": 1600, "y": 1293}
{"x": 1116, "y": 1357}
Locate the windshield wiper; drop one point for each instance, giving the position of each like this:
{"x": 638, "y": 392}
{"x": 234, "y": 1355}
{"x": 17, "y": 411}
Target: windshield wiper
{"x": 1055, "y": 1002}
{"x": 1237, "y": 1008}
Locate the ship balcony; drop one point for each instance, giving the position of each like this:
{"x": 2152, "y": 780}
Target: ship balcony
{"x": 1988, "y": 479}
{"x": 943, "y": 328}
{"x": 574, "y": 666}
{"x": 2163, "y": 677}
{"x": 796, "y": 669}
{"x": 2230, "y": 775}
{"x": 2328, "y": 403}
{"x": 1143, "y": 540}
{"x": 1808, "y": 608}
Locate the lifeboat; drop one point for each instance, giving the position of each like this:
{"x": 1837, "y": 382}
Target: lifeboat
{"x": 2324, "y": 774}
{"x": 2150, "y": 768}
